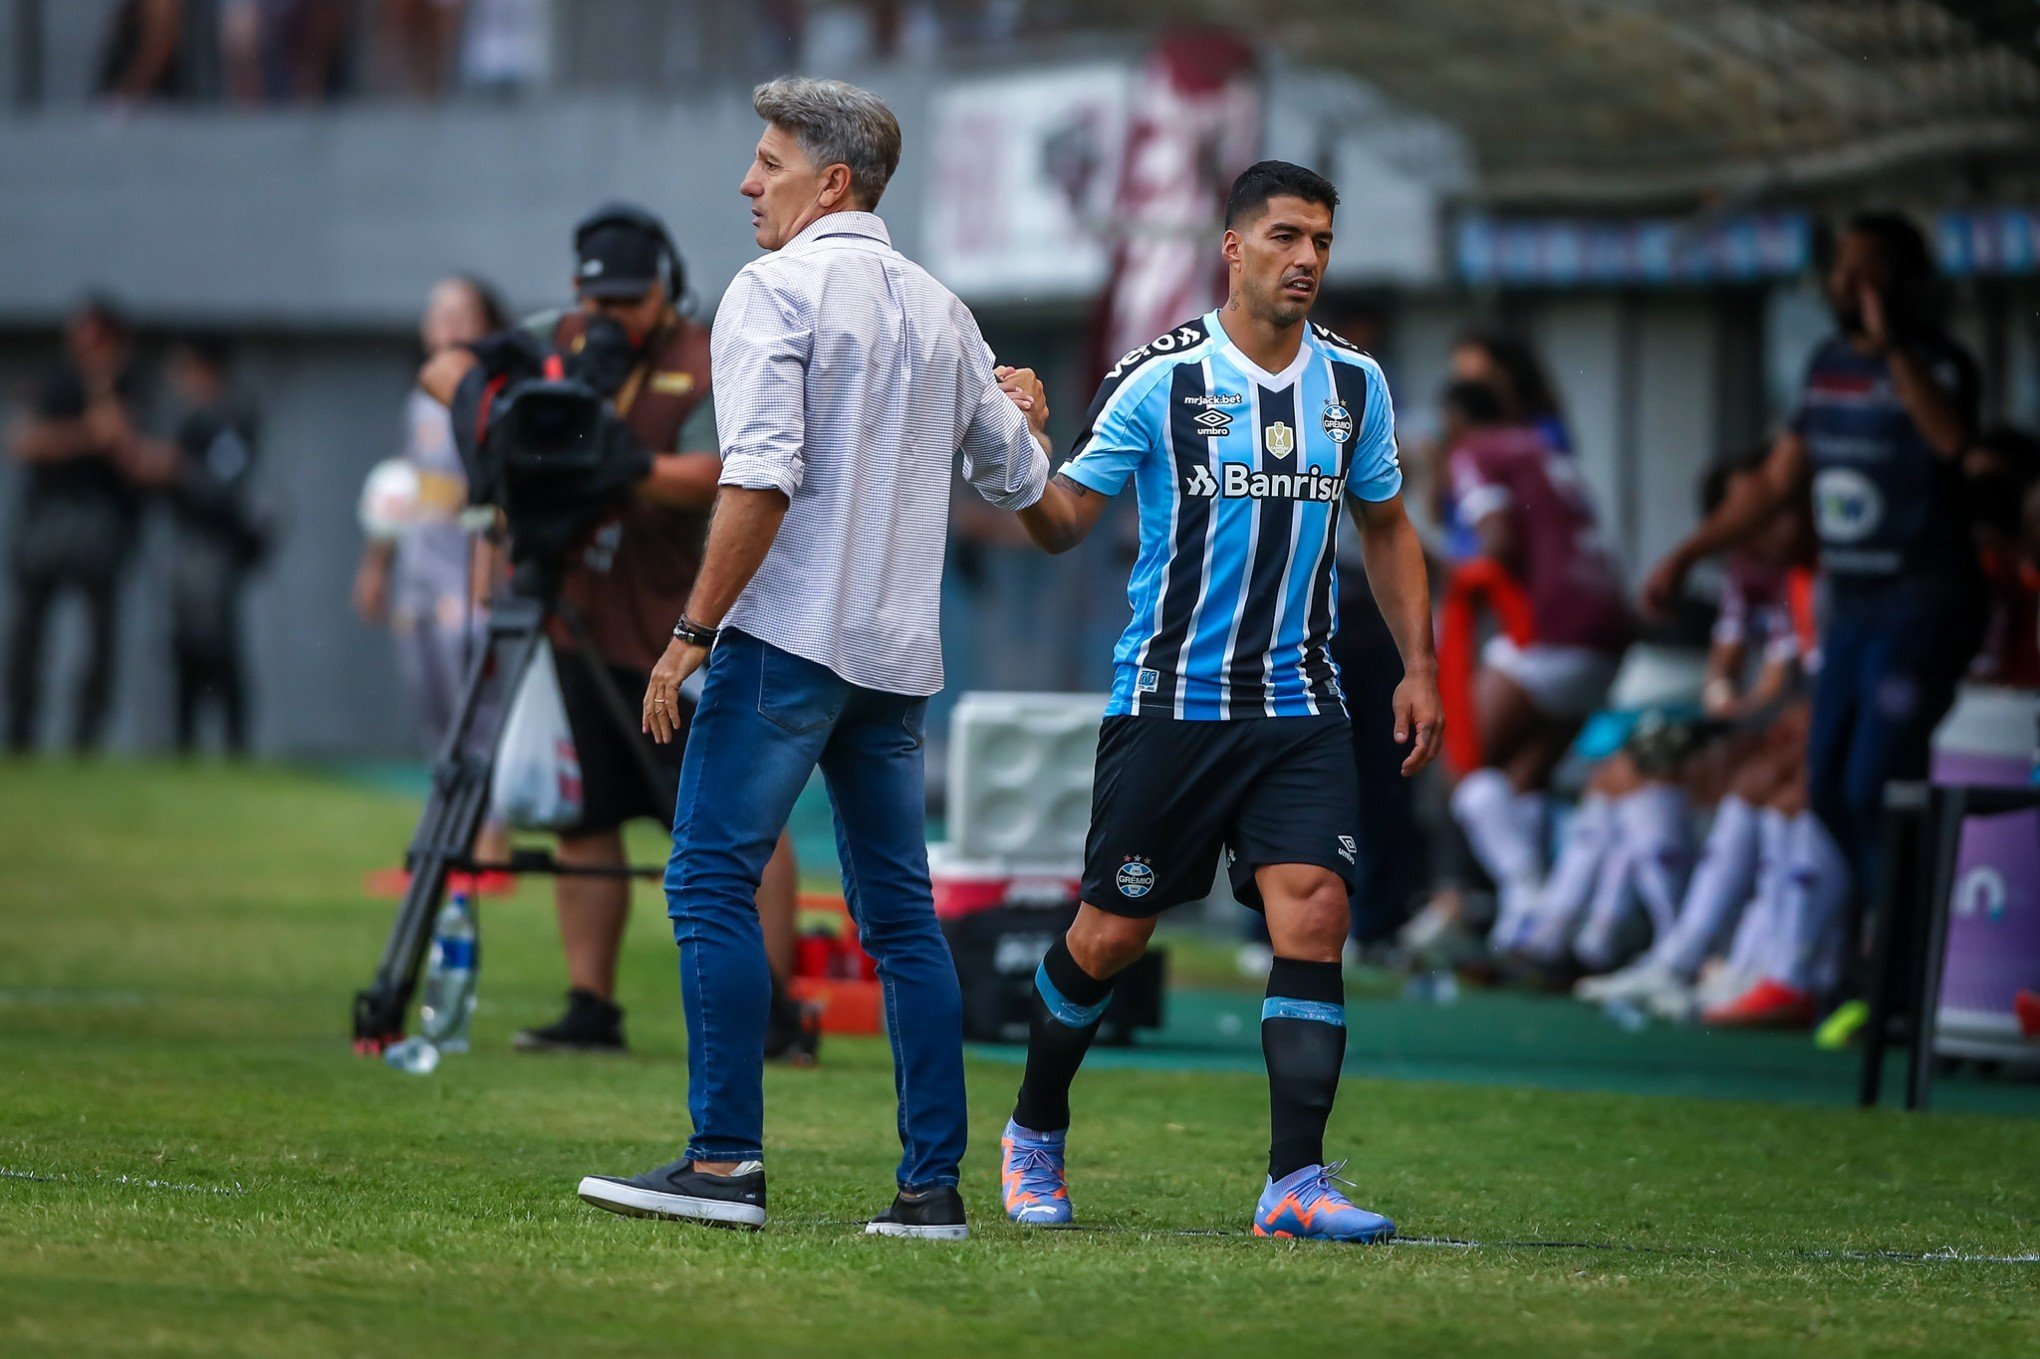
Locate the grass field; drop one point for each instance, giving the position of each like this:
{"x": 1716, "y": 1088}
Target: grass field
{"x": 191, "y": 1162}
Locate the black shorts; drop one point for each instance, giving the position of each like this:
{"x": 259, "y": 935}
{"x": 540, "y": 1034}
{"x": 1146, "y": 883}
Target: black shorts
{"x": 614, "y": 784}
{"x": 1170, "y": 794}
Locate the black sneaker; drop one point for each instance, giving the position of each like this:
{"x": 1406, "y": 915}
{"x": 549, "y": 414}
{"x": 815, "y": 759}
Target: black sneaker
{"x": 931, "y": 1214}
{"x": 679, "y": 1191}
{"x": 591, "y": 1024}
{"x": 793, "y": 1034}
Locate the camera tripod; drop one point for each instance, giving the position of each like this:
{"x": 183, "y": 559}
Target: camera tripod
{"x": 455, "y": 807}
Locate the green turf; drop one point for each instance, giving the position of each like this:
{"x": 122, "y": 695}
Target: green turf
{"x": 218, "y": 1176}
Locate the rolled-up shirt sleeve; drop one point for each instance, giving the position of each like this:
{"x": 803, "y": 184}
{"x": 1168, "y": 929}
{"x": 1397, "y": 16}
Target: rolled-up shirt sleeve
{"x": 1001, "y": 456}
{"x": 758, "y": 357}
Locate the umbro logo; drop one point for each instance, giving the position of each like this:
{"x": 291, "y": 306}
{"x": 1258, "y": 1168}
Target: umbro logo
{"x": 1212, "y": 424}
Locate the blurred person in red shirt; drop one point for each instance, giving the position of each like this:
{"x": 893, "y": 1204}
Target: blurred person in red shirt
{"x": 1531, "y": 518}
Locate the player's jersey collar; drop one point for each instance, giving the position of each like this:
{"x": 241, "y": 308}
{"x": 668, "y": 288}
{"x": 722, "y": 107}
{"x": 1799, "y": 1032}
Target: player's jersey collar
{"x": 1236, "y": 357}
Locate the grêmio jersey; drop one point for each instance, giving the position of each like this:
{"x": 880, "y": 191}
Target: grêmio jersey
{"x": 1240, "y": 475}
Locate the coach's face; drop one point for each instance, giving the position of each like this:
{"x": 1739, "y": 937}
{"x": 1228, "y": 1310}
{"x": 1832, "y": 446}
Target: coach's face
{"x": 786, "y": 190}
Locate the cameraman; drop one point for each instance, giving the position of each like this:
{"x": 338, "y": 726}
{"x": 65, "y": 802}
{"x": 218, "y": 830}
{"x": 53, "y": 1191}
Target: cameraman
{"x": 627, "y": 582}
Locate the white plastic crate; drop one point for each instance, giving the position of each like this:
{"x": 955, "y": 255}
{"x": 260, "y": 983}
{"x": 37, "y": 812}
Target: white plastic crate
{"x": 1020, "y": 777}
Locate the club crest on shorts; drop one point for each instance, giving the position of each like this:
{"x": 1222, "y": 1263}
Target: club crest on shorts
{"x": 1338, "y": 423}
{"x": 1136, "y": 878}
{"x": 1280, "y": 439}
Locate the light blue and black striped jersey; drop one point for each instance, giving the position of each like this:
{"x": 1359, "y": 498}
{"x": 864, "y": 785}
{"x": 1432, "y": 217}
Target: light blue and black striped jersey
{"x": 1240, "y": 475}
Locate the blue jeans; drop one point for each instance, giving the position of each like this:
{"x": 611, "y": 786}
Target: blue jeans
{"x": 1888, "y": 672}
{"x": 765, "y": 720}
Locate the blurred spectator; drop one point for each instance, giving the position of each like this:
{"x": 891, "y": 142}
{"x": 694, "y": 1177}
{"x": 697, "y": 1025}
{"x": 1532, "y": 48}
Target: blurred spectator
{"x": 505, "y": 46}
{"x": 422, "y": 583}
{"x": 216, "y": 541}
{"x": 152, "y": 51}
{"x": 80, "y": 445}
{"x": 429, "y": 581}
{"x": 282, "y": 51}
{"x": 1537, "y": 681}
{"x": 415, "y": 43}
{"x": 1505, "y": 364}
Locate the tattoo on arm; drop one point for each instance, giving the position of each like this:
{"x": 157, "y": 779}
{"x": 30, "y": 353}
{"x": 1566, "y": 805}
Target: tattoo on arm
{"x": 1074, "y": 488}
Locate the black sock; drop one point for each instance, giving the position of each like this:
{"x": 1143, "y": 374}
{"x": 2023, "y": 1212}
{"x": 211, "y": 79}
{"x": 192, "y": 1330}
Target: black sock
{"x": 1303, "y": 1037}
{"x": 1068, "y": 1003}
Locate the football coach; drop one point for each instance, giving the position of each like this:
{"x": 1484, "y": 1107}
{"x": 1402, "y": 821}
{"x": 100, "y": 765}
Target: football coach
{"x": 847, "y": 382}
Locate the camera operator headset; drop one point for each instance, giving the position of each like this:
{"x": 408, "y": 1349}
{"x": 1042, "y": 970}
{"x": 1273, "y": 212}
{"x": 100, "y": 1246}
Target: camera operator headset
{"x": 627, "y": 338}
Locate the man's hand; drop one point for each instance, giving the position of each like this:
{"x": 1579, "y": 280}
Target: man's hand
{"x": 1419, "y": 713}
{"x": 1661, "y": 588}
{"x": 1024, "y": 390}
{"x": 662, "y": 695}
{"x": 1870, "y": 311}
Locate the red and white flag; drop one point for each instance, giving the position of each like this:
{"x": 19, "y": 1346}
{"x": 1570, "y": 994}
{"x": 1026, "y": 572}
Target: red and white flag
{"x": 1196, "y": 123}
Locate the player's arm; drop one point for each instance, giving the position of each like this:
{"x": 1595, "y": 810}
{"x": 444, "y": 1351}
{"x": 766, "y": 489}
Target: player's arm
{"x": 1114, "y": 440}
{"x": 1499, "y": 539}
{"x": 1064, "y": 516}
{"x": 1394, "y": 557}
{"x": 1718, "y": 696}
{"x": 1750, "y": 504}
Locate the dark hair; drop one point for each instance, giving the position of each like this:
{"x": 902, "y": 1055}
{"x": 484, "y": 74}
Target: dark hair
{"x": 1529, "y": 388}
{"x": 209, "y": 348}
{"x": 1276, "y": 179}
{"x": 1904, "y": 244}
{"x": 101, "y": 310}
{"x": 1474, "y": 402}
{"x": 495, "y": 316}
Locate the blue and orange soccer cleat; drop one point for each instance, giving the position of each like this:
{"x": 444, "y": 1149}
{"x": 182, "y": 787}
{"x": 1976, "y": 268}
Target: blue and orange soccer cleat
{"x": 1305, "y": 1204}
{"x": 1031, "y": 1176}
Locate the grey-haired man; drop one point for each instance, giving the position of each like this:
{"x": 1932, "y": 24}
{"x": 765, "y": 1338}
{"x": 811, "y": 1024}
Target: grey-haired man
{"x": 847, "y": 383}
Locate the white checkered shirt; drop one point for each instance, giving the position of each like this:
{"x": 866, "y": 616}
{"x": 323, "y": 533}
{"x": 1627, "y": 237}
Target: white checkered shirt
{"x": 849, "y": 379}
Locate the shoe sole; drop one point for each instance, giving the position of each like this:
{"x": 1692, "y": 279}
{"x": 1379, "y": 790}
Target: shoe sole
{"x": 947, "y": 1231}
{"x": 1379, "y": 1238}
{"x": 628, "y": 1200}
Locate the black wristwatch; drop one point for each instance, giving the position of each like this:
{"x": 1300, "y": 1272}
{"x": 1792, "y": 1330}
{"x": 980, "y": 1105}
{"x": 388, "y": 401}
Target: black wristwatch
{"x": 693, "y": 633}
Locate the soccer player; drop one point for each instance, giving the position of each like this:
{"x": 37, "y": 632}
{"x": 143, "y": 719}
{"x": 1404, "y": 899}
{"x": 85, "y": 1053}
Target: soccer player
{"x": 1242, "y": 431}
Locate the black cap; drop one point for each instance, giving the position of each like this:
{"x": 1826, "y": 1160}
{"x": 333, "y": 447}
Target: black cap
{"x": 617, "y": 260}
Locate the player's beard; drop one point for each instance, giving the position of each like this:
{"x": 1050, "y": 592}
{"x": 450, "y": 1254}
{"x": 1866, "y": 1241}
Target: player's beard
{"x": 1288, "y": 312}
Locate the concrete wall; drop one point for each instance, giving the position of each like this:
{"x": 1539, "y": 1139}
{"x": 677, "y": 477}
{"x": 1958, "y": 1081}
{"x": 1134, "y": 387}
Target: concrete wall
{"x": 342, "y": 219}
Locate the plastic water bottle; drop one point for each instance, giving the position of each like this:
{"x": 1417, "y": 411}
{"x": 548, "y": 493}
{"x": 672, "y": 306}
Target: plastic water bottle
{"x": 413, "y": 1056}
{"x": 450, "y": 976}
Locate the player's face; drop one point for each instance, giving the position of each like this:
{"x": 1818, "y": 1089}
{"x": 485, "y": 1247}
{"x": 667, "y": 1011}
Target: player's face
{"x": 1281, "y": 257}
{"x": 1859, "y": 262}
{"x": 784, "y": 189}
